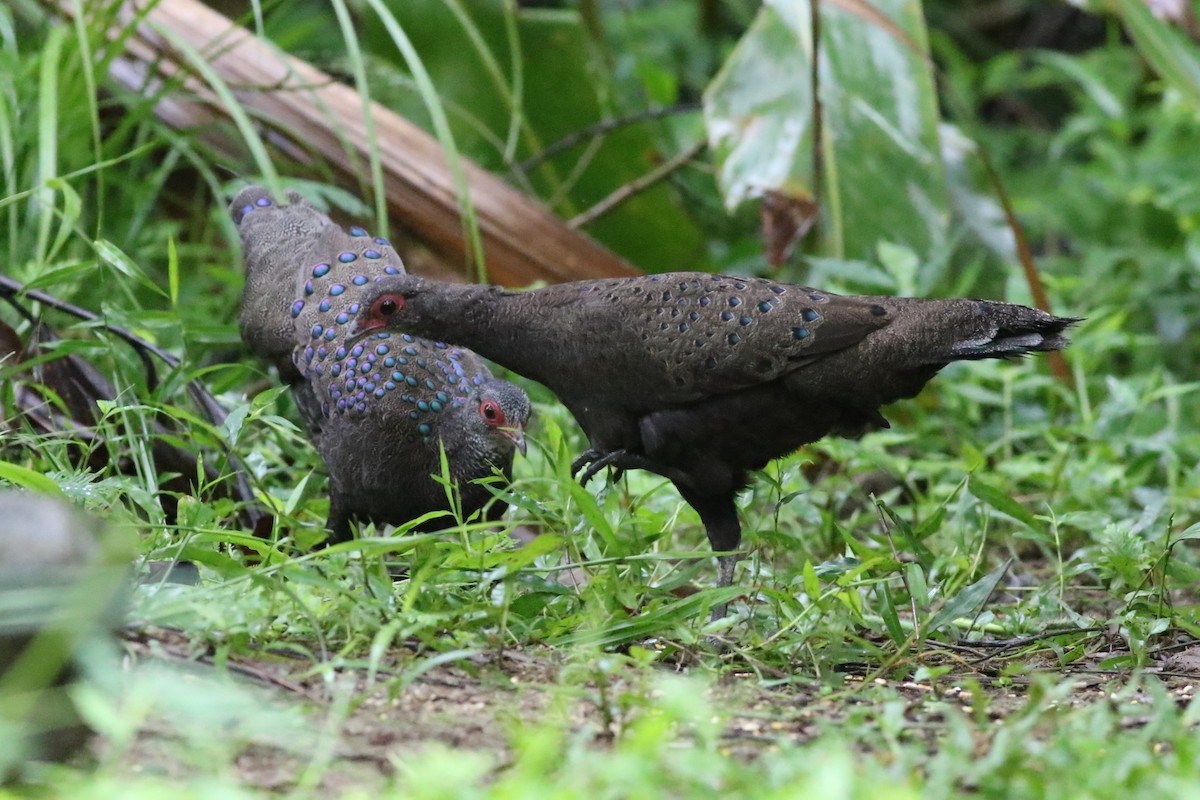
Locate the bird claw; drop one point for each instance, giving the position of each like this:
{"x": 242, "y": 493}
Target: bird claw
{"x": 595, "y": 461}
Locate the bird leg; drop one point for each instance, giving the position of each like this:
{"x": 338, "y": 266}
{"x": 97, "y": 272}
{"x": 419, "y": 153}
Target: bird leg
{"x": 718, "y": 512}
{"x": 595, "y": 461}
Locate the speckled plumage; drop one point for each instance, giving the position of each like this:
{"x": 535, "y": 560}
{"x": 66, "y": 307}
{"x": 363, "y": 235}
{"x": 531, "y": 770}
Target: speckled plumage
{"x": 378, "y": 409}
{"x": 702, "y": 378}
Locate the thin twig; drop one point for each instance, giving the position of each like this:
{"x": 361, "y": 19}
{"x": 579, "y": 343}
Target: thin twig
{"x": 634, "y": 187}
{"x": 213, "y": 410}
{"x": 1058, "y": 364}
{"x": 600, "y": 129}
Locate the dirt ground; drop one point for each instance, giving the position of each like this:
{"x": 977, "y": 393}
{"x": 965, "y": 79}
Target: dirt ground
{"x": 348, "y": 733}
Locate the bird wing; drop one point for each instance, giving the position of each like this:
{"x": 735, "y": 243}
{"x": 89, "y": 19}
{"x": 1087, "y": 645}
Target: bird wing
{"x": 708, "y": 334}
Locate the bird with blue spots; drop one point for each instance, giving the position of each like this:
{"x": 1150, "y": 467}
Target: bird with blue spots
{"x": 704, "y": 378}
{"x": 380, "y": 409}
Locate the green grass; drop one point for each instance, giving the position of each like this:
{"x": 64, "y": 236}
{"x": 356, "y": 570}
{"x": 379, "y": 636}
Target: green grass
{"x": 1011, "y": 614}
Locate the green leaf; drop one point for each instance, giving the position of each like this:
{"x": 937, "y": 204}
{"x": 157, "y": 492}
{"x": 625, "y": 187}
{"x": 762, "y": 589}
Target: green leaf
{"x": 1000, "y": 501}
{"x": 1167, "y": 50}
{"x": 23, "y": 476}
{"x": 880, "y": 155}
{"x": 966, "y": 604}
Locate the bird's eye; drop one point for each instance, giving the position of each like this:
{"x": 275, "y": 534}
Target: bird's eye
{"x": 387, "y": 305}
{"x": 491, "y": 412}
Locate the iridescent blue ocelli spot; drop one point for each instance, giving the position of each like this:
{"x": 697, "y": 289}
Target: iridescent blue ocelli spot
{"x": 411, "y": 351}
{"x": 407, "y": 337}
{"x": 342, "y": 318}
{"x": 401, "y": 360}
{"x": 323, "y": 305}
{"x": 430, "y": 385}
{"x": 435, "y": 405}
{"x": 347, "y": 258}
{"x": 351, "y": 363}
{"x": 357, "y": 231}
{"x": 247, "y": 209}
{"x": 262, "y": 202}
{"x": 372, "y": 254}
{"x": 389, "y": 385}
{"x": 733, "y": 338}
{"x": 308, "y": 355}
{"x": 684, "y": 327}
{"x": 341, "y": 406}
{"x": 662, "y": 326}
{"x": 320, "y": 270}
{"x": 765, "y": 306}
{"x": 317, "y": 368}
{"x": 308, "y": 287}
{"x": 380, "y": 392}
{"x": 381, "y": 241}
{"x": 693, "y": 315}
{"x": 411, "y": 380}
{"x": 746, "y": 320}
{"x": 816, "y": 298}
{"x": 340, "y": 354}
{"x": 425, "y": 428}
{"x": 800, "y": 333}
{"x": 739, "y": 285}
{"x": 705, "y": 300}
{"x": 361, "y": 407}
{"x": 390, "y": 270}
{"x": 317, "y": 330}
{"x": 382, "y": 349}
{"x": 297, "y": 307}
{"x": 440, "y": 345}
{"x": 478, "y": 379}
{"x": 322, "y": 352}
{"x": 384, "y": 335}
{"x": 390, "y": 361}
{"x": 414, "y": 415}
{"x": 735, "y": 301}
{"x": 376, "y": 376}
{"x": 357, "y": 351}
{"x": 810, "y": 315}
{"x": 330, "y": 335}
{"x": 336, "y": 290}
{"x": 354, "y": 307}
{"x": 778, "y": 289}
{"x": 325, "y": 408}
{"x": 445, "y": 398}
{"x": 727, "y": 315}
{"x": 335, "y": 370}
{"x": 359, "y": 280}
{"x": 421, "y": 363}
{"x": 368, "y": 387}
{"x": 421, "y": 404}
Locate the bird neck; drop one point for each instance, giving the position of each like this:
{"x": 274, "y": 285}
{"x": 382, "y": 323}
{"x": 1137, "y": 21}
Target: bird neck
{"x": 501, "y": 326}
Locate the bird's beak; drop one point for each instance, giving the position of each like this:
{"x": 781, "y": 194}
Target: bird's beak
{"x": 354, "y": 331}
{"x": 517, "y": 435}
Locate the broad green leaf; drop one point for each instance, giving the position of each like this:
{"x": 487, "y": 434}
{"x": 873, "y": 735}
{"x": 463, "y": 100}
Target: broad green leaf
{"x": 514, "y": 82}
{"x": 883, "y": 175}
{"x": 1000, "y": 501}
{"x": 968, "y": 602}
{"x": 1167, "y": 50}
{"x": 29, "y": 479}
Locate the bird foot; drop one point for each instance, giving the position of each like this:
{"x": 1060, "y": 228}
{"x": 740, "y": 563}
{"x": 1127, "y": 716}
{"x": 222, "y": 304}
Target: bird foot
{"x": 622, "y": 460}
{"x": 594, "y": 461}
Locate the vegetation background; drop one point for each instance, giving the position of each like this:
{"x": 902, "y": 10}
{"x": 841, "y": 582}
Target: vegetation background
{"x": 994, "y": 597}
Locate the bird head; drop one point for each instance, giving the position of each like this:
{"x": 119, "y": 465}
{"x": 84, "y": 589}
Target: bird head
{"x": 389, "y": 303}
{"x": 504, "y": 411}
